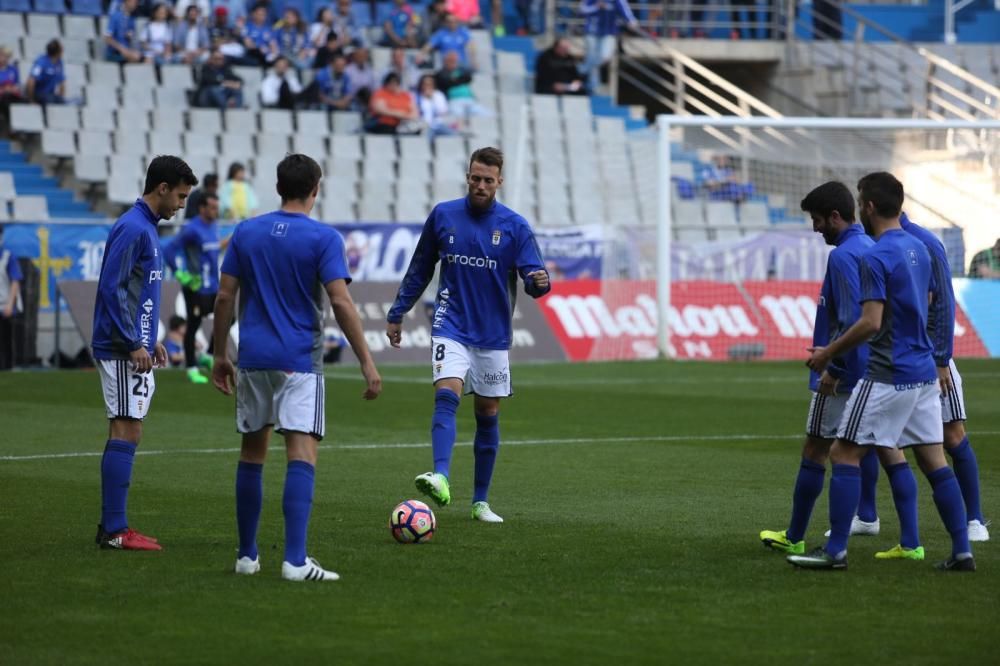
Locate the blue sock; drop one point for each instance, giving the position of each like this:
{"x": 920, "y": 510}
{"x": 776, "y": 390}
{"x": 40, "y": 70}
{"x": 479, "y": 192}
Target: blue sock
{"x": 904, "y": 495}
{"x": 443, "y": 429}
{"x": 116, "y": 476}
{"x": 845, "y": 491}
{"x": 948, "y": 498}
{"x": 485, "y": 448}
{"x": 296, "y": 503}
{"x": 808, "y": 486}
{"x": 963, "y": 460}
{"x": 870, "y": 467}
{"x": 249, "y": 498}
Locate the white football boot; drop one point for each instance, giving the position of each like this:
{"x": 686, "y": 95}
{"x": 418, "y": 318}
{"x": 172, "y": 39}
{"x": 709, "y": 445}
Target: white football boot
{"x": 482, "y": 511}
{"x": 861, "y": 528}
{"x": 246, "y": 566}
{"x": 978, "y": 531}
{"x": 311, "y": 570}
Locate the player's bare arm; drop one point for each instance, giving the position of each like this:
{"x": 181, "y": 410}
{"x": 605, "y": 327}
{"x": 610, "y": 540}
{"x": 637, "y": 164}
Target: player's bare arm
{"x": 223, "y": 371}
{"x": 347, "y": 319}
{"x": 863, "y": 329}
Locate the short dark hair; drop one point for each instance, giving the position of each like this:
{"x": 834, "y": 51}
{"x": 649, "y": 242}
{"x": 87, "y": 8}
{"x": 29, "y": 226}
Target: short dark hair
{"x": 884, "y": 191}
{"x": 177, "y": 321}
{"x": 829, "y": 197}
{"x": 53, "y": 48}
{"x": 390, "y": 78}
{"x": 235, "y": 168}
{"x": 168, "y": 169}
{"x": 211, "y": 180}
{"x": 206, "y": 197}
{"x": 489, "y": 156}
{"x": 298, "y": 176}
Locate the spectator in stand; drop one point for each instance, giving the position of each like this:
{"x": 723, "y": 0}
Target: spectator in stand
{"x": 157, "y": 39}
{"x": 391, "y": 107}
{"x": 281, "y": 88}
{"x": 433, "y": 108}
{"x": 325, "y": 55}
{"x": 209, "y": 185}
{"x": 333, "y": 85}
{"x": 347, "y": 27}
{"x": 986, "y": 263}
{"x": 321, "y": 28}
{"x": 258, "y": 37}
{"x": 360, "y": 77}
{"x": 120, "y": 34}
{"x": 181, "y": 7}
{"x": 47, "y": 82}
{"x": 293, "y": 43}
{"x": 218, "y": 85}
{"x": 191, "y": 40}
{"x": 454, "y": 80}
{"x": 236, "y": 12}
{"x": 236, "y": 198}
{"x": 173, "y": 342}
{"x": 10, "y": 81}
{"x": 601, "y": 29}
{"x": 557, "y": 71}
{"x": 401, "y": 28}
{"x": 408, "y": 73}
{"x": 453, "y": 37}
{"x": 465, "y": 12}
{"x": 530, "y": 14}
{"x": 228, "y": 39}
{"x": 10, "y": 302}
{"x": 437, "y": 14}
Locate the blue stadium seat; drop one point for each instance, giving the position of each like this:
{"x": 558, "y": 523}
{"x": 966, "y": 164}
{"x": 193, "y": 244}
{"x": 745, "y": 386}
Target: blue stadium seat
{"x": 50, "y": 6}
{"x": 87, "y": 7}
{"x": 382, "y": 11}
{"x": 361, "y": 11}
{"x": 15, "y": 6}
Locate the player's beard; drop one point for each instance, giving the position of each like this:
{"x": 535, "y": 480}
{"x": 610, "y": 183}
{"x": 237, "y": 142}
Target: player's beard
{"x": 867, "y": 224}
{"x": 479, "y": 203}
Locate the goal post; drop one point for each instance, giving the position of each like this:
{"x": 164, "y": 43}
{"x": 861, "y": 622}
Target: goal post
{"x": 950, "y": 171}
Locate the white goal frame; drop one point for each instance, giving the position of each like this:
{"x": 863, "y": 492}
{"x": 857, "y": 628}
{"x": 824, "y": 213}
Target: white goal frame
{"x": 665, "y": 123}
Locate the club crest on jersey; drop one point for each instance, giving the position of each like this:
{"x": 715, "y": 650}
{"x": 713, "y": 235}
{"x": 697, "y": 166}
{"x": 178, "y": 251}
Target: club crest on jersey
{"x": 280, "y": 229}
{"x": 496, "y": 236}
{"x": 913, "y": 257}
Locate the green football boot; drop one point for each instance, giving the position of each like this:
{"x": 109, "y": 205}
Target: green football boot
{"x": 435, "y": 486}
{"x": 778, "y": 541}
{"x": 194, "y": 374}
{"x": 897, "y": 552}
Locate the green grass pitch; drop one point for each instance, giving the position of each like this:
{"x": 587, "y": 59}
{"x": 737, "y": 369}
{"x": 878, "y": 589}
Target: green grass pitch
{"x": 633, "y": 495}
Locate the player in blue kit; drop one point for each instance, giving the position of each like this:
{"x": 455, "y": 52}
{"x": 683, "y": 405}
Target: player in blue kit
{"x": 197, "y": 247}
{"x": 281, "y": 264}
{"x": 941, "y": 329}
{"x": 126, "y": 317}
{"x": 483, "y": 247}
{"x": 897, "y": 404}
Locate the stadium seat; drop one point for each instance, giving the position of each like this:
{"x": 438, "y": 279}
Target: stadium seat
{"x": 274, "y": 146}
{"x": 446, "y": 190}
{"x": 726, "y": 234}
{"x": 721, "y": 214}
{"x": 346, "y": 122}
{"x": 23, "y": 6}
{"x": 414, "y": 149}
{"x": 342, "y": 166}
{"x": 44, "y": 26}
{"x": 691, "y": 234}
{"x": 379, "y": 147}
{"x": 62, "y": 117}
{"x": 176, "y": 76}
{"x": 362, "y": 13}
{"x": 79, "y": 27}
{"x": 141, "y": 77}
{"x": 105, "y": 73}
{"x": 374, "y": 208}
{"x": 202, "y": 164}
{"x": 240, "y": 121}
{"x": 136, "y": 102}
{"x": 375, "y": 169}
{"x": 11, "y": 26}
{"x": 335, "y": 187}
{"x": 314, "y": 124}
{"x": 339, "y": 210}
{"x": 76, "y": 51}
{"x": 87, "y": 7}
{"x": 102, "y": 97}
{"x": 410, "y": 210}
{"x": 208, "y": 121}
{"x": 96, "y": 118}
{"x": 347, "y": 146}
{"x": 237, "y": 145}
{"x": 93, "y": 143}
{"x": 123, "y": 187}
{"x": 450, "y": 149}
{"x": 26, "y": 118}
{"x": 131, "y": 144}
{"x": 165, "y": 143}
{"x": 170, "y": 97}
{"x": 277, "y": 121}
{"x": 200, "y": 143}
{"x": 31, "y": 208}
{"x": 4, "y": 212}
{"x": 90, "y": 168}
{"x": 7, "y": 189}
{"x": 32, "y": 47}
{"x": 754, "y": 215}
{"x": 50, "y": 7}
{"x": 688, "y": 213}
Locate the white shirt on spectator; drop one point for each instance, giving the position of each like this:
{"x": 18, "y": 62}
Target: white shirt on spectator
{"x": 434, "y": 108}
{"x": 270, "y": 87}
{"x": 156, "y": 36}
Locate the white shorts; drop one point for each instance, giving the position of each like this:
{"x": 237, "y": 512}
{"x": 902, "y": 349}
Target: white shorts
{"x": 886, "y": 415}
{"x": 486, "y": 372}
{"x": 127, "y": 394}
{"x": 825, "y": 412}
{"x": 290, "y": 401}
{"x": 953, "y": 404}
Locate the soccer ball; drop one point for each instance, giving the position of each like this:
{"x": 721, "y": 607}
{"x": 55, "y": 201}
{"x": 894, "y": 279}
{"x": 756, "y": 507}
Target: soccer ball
{"x": 412, "y": 521}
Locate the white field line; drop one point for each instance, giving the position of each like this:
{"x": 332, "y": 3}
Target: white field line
{"x": 418, "y": 445}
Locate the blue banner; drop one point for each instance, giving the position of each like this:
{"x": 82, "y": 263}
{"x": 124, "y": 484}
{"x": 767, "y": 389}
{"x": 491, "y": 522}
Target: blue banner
{"x": 60, "y": 251}
{"x": 979, "y": 298}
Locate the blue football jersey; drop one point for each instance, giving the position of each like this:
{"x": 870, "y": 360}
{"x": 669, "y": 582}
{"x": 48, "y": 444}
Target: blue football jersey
{"x": 283, "y": 260}
{"x": 941, "y": 311}
{"x": 897, "y": 271}
{"x": 840, "y": 306}
{"x": 127, "y": 309}
{"x": 197, "y": 245}
{"x": 482, "y": 253}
